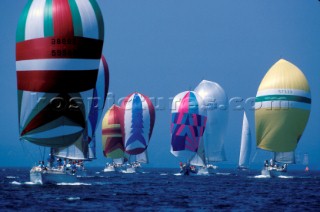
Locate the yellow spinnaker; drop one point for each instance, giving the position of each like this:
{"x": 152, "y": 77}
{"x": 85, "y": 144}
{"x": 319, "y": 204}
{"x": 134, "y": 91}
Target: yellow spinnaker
{"x": 282, "y": 107}
{"x": 112, "y": 141}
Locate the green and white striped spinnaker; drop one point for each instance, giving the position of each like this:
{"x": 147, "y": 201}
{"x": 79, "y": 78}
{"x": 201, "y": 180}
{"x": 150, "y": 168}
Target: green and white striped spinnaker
{"x": 282, "y": 108}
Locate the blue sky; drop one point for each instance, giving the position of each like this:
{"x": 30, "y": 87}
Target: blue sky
{"x": 163, "y": 47}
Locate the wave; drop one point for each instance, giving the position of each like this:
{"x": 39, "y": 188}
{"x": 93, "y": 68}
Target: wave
{"x": 223, "y": 173}
{"x": 15, "y": 183}
{"x": 164, "y": 174}
{"x": 74, "y": 184}
{"x": 73, "y": 198}
{"x": 285, "y": 177}
{"x": 11, "y": 177}
{"x": 259, "y": 176}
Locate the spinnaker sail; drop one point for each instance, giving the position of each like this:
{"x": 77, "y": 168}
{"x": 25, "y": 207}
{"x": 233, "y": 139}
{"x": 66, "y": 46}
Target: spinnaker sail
{"x": 137, "y": 121}
{"x": 282, "y": 109}
{"x": 188, "y": 122}
{"x": 112, "y": 141}
{"x": 216, "y": 105}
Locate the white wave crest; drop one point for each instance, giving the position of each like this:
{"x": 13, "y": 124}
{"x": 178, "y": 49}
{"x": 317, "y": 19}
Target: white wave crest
{"x": 15, "y": 183}
{"x": 285, "y": 177}
{"x": 163, "y": 174}
{"x": 260, "y": 176}
{"x": 74, "y": 184}
{"x": 11, "y": 177}
{"x": 73, "y": 198}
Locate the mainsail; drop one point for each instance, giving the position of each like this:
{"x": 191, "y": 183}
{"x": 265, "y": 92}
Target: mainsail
{"x": 112, "y": 141}
{"x": 58, "y": 48}
{"x": 245, "y": 147}
{"x": 282, "y": 110}
{"x": 216, "y": 104}
{"x": 188, "y": 121}
{"x": 137, "y": 121}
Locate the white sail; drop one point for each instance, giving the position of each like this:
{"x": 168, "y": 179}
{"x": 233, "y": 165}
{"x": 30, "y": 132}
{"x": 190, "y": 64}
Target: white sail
{"x": 216, "y": 102}
{"x": 77, "y": 151}
{"x": 285, "y": 157}
{"x": 199, "y": 158}
{"x": 118, "y": 161}
{"x": 245, "y": 148}
{"x": 142, "y": 157}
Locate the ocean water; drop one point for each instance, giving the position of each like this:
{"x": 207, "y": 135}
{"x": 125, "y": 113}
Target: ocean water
{"x": 162, "y": 190}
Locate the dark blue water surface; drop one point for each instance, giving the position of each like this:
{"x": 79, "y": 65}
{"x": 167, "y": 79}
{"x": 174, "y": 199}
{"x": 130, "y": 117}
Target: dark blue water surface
{"x": 162, "y": 190}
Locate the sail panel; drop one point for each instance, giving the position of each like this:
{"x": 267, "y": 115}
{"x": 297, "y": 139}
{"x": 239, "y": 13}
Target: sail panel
{"x": 199, "y": 158}
{"x": 61, "y": 17}
{"x": 77, "y": 151}
{"x": 282, "y": 108}
{"x": 98, "y": 104}
{"x": 280, "y": 130}
{"x": 285, "y": 157}
{"x": 216, "y": 104}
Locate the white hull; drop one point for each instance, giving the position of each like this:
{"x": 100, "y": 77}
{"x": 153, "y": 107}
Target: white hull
{"x": 109, "y": 169}
{"x": 203, "y": 171}
{"x": 39, "y": 176}
{"x": 130, "y": 170}
{"x": 272, "y": 172}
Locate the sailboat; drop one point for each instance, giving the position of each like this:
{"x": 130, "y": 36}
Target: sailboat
{"x": 112, "y": 141}
{"x": 58, "y": 50}
{"x": 137, "y": 121}
{"x": 245, "y": 146}
{"x": 282, "y": 109}
{"x": 188, "y": 122}
{"x": 216, "y": 102}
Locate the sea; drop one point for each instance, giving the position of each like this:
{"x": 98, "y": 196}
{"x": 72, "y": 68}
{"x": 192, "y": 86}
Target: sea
{"x": 154, "y": 189}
